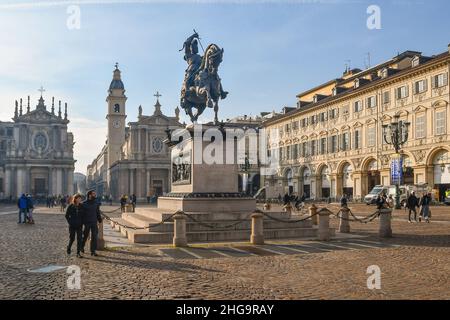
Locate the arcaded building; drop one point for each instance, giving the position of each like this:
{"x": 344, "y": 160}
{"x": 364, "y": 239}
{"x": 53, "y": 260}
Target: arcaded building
{"x": 332, "y": 142}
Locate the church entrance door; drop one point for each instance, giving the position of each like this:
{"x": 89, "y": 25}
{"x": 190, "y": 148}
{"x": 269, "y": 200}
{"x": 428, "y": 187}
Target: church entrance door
{"x": 39, "y": 187}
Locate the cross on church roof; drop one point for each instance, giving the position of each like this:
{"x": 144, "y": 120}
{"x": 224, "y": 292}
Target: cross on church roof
{"x": 157, "y": 95}
{"x": 41, "y": 90}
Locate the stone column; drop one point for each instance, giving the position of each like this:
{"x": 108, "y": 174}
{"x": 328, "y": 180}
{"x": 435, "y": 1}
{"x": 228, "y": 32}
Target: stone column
{"x": 385, "y": 230}
{"x": 50, "y": 182}
{"x": 70, "y": 182}
{"x": 20, "y": 183}
{"x": 59, "y": 181}
{"x": 344, "y": 223}
{"x": 147, "y": 186}
{"x": 324, "y": 225}
{"x": 179, "y": 230}
{"x": 8, "y": 183}
{"x": 257, "y": 236}
{"x": 312, "y": 214}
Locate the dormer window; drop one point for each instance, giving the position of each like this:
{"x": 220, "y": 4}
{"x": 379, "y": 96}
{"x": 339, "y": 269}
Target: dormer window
{"x": 357, "y": 83}
{"x": 384, "y": 73}
{"x": 316, "y": 98}
{"x": 415, "y": 61}
{"x": 334, "y": 91}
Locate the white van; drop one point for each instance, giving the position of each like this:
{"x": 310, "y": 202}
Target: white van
{"x": 388, "y": 190}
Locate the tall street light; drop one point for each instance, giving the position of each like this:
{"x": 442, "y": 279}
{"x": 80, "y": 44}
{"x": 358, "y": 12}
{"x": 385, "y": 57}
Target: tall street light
{"x": 396, "y": 134}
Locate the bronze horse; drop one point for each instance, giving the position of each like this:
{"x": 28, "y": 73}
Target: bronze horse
{"x": 207, "y": 88}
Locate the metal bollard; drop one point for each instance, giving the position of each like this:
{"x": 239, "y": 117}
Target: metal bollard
{"x": 100, "y": 239}
{"x": 344, "y": 223}
{"x": 257, "y": 236}
{"x": 324, "y": 225}
{"x": 312, "y": 214}
{"x": 179, "y": 230}
{"x": 385, "y": 230}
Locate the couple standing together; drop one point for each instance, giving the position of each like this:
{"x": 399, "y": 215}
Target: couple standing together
{"x": 83, "y": 219}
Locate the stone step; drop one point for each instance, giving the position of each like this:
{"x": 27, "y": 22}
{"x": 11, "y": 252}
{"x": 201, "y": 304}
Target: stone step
{"x": 137, "y": 236}
{"x": 144, "y": 221}
{"x": 159, "y": 215}
{"x": 139, "y": 220}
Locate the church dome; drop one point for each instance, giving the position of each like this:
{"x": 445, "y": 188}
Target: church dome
{"x": 117, "y": 83}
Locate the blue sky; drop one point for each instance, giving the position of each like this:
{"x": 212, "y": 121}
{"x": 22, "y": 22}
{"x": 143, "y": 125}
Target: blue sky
{"x": 273, "y": 51}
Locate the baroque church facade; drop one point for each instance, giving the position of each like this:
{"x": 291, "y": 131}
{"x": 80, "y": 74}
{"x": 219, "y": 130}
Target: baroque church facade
{"x": 134, "y": 159}
{"x": 36, "y": 152}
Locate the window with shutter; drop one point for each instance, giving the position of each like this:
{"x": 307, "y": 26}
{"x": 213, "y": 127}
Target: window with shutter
{"x": 440, "y": 122}
{"x": 420, "y": 126}
{"x": 386, "y": 97}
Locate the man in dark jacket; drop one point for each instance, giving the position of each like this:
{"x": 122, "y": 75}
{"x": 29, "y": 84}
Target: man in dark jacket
{"x": 412, "y": 203}
{"x": 344, "y": 201}
{"x": 74, "y": 216}
{"x": 91, "y": 216}
{"x": 381, "y": 201}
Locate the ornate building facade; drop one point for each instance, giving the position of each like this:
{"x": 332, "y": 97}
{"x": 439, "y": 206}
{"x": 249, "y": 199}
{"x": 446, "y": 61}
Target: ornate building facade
{"x": 134, "y": 159}
{"x": 332, "y": 142}
{"x": 36, "y": 152}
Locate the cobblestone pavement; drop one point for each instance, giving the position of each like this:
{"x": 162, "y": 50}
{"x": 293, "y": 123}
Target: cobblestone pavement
{"x": 415, "y": 264}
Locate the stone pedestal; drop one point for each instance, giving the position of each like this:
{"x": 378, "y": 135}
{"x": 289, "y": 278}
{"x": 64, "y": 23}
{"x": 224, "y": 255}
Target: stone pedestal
{"x": 179, "y": 235}
{"x": 385, "y": 230}
{"x": 324, "y": 225}
{"x": 344, "y": 223}
{"x": 100, "y": 239}
{"x": 257, "y": 236}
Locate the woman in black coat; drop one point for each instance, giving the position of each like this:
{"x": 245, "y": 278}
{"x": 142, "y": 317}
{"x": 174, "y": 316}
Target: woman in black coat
{"x": 74, "y": 218}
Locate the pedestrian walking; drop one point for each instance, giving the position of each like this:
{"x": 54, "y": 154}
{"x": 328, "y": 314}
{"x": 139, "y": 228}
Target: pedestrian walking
{"x": 344, "y": 201}
{"x": 412, "y": 203}
{"x": 30, "y": 209}
{"x": 91, "y": 216}
{"x": 133, "y": 202}
{"x": 74, "y": 217}
{"x": 425, "y": 210}
{"x": 381, "y": 201}
{"x": 123, "y": 203}
{"x": 286, "y": 199}
{"x": 390, "y": 201}
{"x": 63, "y": 203}
{"x": 22, "y": 204}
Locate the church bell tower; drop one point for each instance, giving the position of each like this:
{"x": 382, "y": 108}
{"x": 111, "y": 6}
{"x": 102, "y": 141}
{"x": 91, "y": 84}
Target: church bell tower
{"x": 116, "y": 117}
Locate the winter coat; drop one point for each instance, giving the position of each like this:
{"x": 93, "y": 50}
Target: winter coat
{"x": 74, "y": 215}
{"x": 23, "y": 202}
{"x": 412, "y": 202}
{"x": 91, "y": 212}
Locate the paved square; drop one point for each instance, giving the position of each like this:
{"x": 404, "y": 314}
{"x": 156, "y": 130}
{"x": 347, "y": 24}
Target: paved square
{"x": 415, "y": 264}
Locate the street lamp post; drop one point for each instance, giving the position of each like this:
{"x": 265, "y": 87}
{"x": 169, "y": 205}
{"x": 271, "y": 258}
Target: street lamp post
{"x": 246, "y": 170}
{"x": 396, "y": 134}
